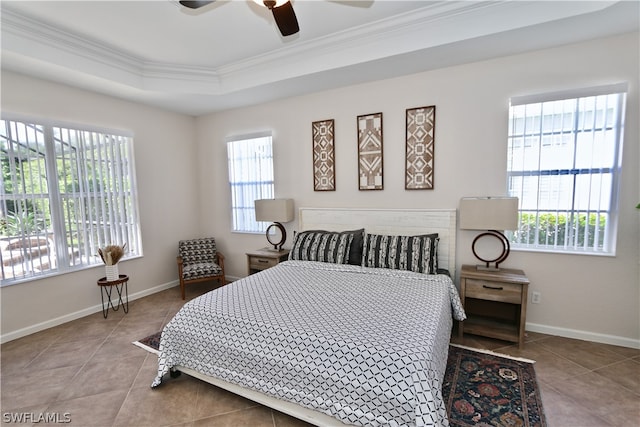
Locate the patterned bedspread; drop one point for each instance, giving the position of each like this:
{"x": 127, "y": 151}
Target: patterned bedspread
{"x": 367, "y": 346}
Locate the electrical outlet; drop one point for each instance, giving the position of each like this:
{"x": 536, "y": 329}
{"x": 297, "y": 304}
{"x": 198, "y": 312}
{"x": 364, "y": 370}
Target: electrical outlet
{"x": 535, "y": 297}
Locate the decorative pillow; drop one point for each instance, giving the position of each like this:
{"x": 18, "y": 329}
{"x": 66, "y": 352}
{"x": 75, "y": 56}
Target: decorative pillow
{"x": 434, "y": 255}
{"x": 413, "y": 253}
{"x": 323, "y": 246}
{"x": 355, "y": 253}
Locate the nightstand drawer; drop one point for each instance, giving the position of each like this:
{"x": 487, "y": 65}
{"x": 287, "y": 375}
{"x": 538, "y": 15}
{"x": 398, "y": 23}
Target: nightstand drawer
{"x": 494, "y": 291}
{"x": 263, "y": 259}
{"x": 262, "y": 263}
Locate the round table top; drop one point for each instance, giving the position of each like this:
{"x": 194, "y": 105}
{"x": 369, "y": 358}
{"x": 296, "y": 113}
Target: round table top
{"x": 104, "y": 282}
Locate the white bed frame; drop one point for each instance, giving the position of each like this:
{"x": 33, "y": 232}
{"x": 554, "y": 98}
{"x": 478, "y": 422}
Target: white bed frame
{"x": 378, "y": 221}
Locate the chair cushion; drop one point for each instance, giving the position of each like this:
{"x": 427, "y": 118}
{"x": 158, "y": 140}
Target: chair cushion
{"x": 200, "y": 270}
{"x": 197, "y": 250}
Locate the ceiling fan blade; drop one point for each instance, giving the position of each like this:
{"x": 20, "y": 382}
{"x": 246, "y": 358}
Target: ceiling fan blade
{"x": 286, "y": 19}
{"x": 195, "y": 4}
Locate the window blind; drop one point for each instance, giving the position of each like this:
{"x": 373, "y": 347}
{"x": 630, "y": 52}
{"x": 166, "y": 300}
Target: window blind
{"x": 250, "y": 161}
{"x": 66, "y": 191}
{"x": 564, "y": 152}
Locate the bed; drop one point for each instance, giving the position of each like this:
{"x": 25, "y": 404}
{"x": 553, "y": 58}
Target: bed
{"x": 333, "y": 336}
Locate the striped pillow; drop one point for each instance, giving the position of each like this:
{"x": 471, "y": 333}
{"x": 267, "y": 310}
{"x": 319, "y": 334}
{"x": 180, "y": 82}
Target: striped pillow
{"x": 323, "y": 246}
{"x": 413, "y": 253}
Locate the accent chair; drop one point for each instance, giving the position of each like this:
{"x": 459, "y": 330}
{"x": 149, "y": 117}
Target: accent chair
{"x": 199, "y": 261}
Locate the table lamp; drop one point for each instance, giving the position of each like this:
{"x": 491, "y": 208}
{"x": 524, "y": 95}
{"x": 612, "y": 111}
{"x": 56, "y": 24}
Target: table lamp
{"x": 276, "y": 211}
{"x": 490, "y": 214}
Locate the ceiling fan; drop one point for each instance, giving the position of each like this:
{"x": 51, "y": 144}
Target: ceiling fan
{"x": 282, "y": 11}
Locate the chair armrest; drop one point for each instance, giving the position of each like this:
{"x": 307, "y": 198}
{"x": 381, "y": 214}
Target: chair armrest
{"x": 179, "y": 261}
{"x": 220, "y": 258}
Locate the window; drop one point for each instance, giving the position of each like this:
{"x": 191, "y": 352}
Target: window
{"x": 564, "y": 153}
{"x": 251, "y": 178}
{"x": 65, "y": 192}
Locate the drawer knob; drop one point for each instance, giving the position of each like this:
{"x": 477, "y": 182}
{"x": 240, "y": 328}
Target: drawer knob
{"x": 495, "y": 288}
{"x": 263, "y": 261}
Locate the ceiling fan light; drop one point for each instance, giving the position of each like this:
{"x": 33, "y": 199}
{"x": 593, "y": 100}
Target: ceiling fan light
{"x": 277, "y": 3}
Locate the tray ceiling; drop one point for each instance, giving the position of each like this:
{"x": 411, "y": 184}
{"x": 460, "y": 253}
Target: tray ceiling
{"x": 230, "y": 54}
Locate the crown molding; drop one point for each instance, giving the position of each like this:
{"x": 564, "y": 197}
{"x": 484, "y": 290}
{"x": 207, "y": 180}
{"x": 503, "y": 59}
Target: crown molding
{"x": 435, "y": 24}
{"x": 32, "y": 44}
{"x": 438, "y": 24}
{"x": 29, "y": 37}
{"x": 22, "y": 27}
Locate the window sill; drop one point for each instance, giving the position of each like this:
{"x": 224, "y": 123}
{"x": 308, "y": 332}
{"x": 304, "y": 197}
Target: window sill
{"x": 11, "y": 282}
{"x": 561, "y": 251}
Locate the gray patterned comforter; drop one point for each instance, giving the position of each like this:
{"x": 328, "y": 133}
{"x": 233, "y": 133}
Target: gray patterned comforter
{"x": 367, "y": 346}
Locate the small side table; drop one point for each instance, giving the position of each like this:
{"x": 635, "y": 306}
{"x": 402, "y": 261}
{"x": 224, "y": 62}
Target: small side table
{"x": 495, "y": 302}
{"x": 106, "y": 287}
{"x": 262, "y": 259}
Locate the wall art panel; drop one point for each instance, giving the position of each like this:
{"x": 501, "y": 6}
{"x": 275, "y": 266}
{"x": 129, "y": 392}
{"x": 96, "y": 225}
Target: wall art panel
{"x": 324, "y": 162}
{"x": 420, "y": 139}
{"x": 370, "y": 152}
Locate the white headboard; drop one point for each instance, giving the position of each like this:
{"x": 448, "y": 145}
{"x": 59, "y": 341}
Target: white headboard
{"x": 399, "y": 222}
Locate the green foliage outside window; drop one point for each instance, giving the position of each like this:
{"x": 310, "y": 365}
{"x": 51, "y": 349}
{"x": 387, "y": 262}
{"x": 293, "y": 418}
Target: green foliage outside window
{"x": 27, "y": 222}
{"x": 557, "y": 230}
{"x": 28, "y": 212}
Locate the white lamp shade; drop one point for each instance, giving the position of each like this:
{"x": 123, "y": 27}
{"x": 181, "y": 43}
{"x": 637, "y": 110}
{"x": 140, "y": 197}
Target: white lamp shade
{"x": 489, "y": 213}
{"x": 274, "y": 210}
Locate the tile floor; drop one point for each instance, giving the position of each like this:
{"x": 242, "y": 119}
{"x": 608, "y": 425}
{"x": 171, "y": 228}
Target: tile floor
{"x": 89, "y": 370}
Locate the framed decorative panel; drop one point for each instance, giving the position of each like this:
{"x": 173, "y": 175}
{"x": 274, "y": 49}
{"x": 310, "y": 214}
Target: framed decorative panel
{"x": 324, "y": 162}
{"x": 420, "y": 137}
{"x": 370, "y": 152}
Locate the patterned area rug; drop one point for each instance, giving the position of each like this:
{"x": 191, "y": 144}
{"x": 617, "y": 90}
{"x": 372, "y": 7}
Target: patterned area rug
{"x": 486, "y": 389}
{"x": 150, "y": 343}
{"x": 481, "y": 389}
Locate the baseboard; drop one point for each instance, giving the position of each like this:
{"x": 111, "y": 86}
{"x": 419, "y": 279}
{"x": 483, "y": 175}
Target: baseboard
{"x": 533, "y": 327}
{"x": 10, "y": 336}
{"x": 584, "y": 335}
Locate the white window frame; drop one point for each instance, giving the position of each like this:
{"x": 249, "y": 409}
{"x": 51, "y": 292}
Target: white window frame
{"x": 250, "y": 163}
{"x": 78, "y": 183}
{"x": 579, "y": 185}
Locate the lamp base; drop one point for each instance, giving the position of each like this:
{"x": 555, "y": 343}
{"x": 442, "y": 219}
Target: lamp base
{"x": 277, "y": 246}
{"x": 506, "y": 248}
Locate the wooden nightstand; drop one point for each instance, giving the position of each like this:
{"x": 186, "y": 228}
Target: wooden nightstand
{"x": 262, "y": 259}
{"x": 495, "y": 303}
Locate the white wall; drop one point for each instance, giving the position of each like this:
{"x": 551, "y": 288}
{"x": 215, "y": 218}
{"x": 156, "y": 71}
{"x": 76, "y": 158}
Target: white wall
{"x": 164, "y": 146}
{"x": 583, "y": 296}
